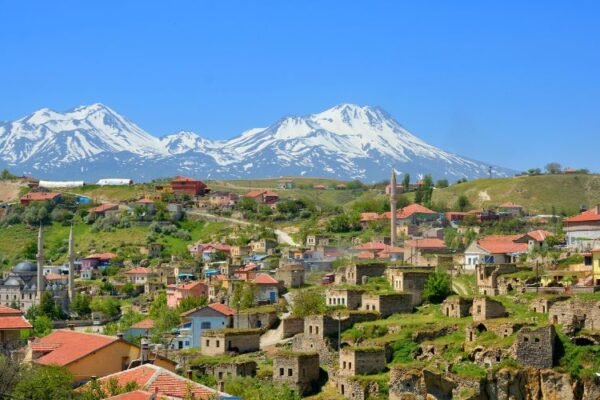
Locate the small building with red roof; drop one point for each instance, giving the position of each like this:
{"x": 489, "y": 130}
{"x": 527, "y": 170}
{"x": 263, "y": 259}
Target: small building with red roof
{"x": 426, "y": 252}
{"x": 495, "y": 249}
{"x": 139, "y": 275}
{"x": 178, "y": 292}
{"x": 263, "y": 196}
{"x": 268, "y": 289}
{"x": 212, "y": 316}
{"x": 139, "y": 329}
{"x": 12, "y": 322}
{"x": 189, "y": 186}
{"x": 103, "y": 209}
{"x": 516, "y": 210}
{"x": 34, "y": 197}
{"x": 583, "y": 227}
{"x": 96, "y": 261}
{"x": 161, "y": 383}
{"x": 87, "y": 354}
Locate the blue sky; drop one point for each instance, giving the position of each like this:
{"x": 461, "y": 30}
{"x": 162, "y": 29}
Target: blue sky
{"x": 509, "y": 83}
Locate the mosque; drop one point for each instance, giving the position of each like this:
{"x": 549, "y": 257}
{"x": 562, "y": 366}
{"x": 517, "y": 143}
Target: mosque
{"x": 24, "y": 285}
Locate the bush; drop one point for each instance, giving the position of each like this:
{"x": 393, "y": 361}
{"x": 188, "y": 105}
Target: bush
{"x": 437, "y": 287}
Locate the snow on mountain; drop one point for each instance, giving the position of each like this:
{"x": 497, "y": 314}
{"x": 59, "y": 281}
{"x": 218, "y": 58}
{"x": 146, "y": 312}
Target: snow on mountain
{"x": 346, "y": 141}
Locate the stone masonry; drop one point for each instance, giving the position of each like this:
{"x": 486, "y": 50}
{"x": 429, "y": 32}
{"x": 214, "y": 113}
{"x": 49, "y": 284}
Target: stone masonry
{"x": 362, "y": 360}
{"x": 300, "y": 371}
{"x": 486, "y": 308}
{"x": 574, "y": 314}
{"x": 355, "y": 274}
{"x": 457, "y": 307}
{"x": 350, "y": 298}
{"x": 408, "y": 281}
{"x": 387, "y": 304}
{"x": 536, "y": 347}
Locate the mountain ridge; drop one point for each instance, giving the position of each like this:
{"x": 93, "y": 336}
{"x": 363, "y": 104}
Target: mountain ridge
{"x": 346, "y": 141}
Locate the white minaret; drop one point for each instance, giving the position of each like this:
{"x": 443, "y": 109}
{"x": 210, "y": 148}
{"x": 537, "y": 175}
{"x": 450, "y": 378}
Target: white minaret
{"x": 71, "y": 264}
{"x": 393, "y": 207}
{"x": 40, "y": 265}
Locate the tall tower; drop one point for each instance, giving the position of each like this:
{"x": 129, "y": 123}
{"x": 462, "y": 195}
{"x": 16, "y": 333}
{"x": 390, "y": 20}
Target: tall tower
{"x": 393, "y": 207}
{"x": 71, "y": 264}
{"x": 40, "y": 265}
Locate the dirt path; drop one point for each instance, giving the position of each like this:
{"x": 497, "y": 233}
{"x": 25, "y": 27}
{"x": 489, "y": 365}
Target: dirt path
{"x": 9, "y": 191}
{"x": 459, "y": 288}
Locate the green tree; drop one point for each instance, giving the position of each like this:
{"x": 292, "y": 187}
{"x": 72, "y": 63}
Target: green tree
{"x": 29, "y": 251}
{"x": 437, "y": 287}
{"x": 406, "y": 182}
{"x": 462, "y": 203}
{"x": 128, "y": 289}
{"x": 164, "y": 317}
{"x": 308, "y": 302}
{"x": 81, "y": 305}
{"x": 42, "y": 325}
{"x": 344, "y": 223}
{"x": 109, "y": 306}
{"x": 191, "y": 302}
{"x": 250, "y": 388}
{"x": 441, "y": 183}
{"x": 44, "y": 383}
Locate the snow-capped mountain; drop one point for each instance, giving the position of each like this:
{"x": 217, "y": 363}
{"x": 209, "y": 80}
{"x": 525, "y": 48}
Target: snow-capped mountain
{"x": 346, "y": 141}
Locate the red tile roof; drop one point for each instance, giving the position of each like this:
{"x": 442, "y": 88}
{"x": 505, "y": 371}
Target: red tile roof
{"x": 154, "y": 379}
{"x": 369, "y": 216}
{"x": 254, "y": 193}
{"x": 540, "y": 235}
{"x": 139, "y": 270}
{"x": 40, "y": 196}
{"x": 264, "y": 279}
{"x": 426, "y": 243}
{"x": 502, "y": 244}
{"x": 144, "y": 324}
{"x": 55, "y": 277}
{"x": 103, "y": 208}
{"x": 586, "y": 216}
{"x": 416, "y": 209}
{"x": 13, "y": 322}
{"x": 365, "y": 255}
{"x": 7, "y": 311}
{"x": 135, "y": 395}
{"x": 222, "y": 308}
{"x": 66, "y": 346}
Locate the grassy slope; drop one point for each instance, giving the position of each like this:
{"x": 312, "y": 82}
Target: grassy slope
{"x": 536, "y": 193}
{"x": 14, "y": 238}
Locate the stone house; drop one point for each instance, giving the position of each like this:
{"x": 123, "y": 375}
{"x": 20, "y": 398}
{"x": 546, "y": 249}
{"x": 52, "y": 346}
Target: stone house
{"x": 356, "y": 274}
{"x": 225, "y": 341}
{"x": 487, "y": 277}
{"x": 292, "y": 276}
{"x": 408, "y": 281}
{"x": 139, "y": 275}
{"x": 300, "y": 371}
{"x": 362, "y": 360}
{"x": 267, "y": 289}
{"x": 262, "y": 246}
{"x": 575, "y": 314}
{"x": 387, "y": 304}
{"x": 536, "y": 347}
{"x": 350, "y": 298}
{"x": 542, "y": 304}
{"x": 313, "y": 241}
{"x": 485, "y": 308}
{"x": 227, "y": 370}
{"x": 240, "y": 251}
{"x": 457, "y": 306}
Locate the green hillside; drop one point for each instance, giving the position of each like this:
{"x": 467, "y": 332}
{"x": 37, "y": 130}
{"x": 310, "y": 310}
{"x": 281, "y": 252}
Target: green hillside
{"x": 538, "y": 194}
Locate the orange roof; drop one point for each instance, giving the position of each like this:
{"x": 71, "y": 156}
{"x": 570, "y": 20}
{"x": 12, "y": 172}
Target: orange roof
{"x": 144, "y": 324}
{"x": 255, "y": 193}
{"x": 102, "y": 256}
{"x": 365, "y": 255}
{"x": 40, "y": 196}
{"x": 264, "y": 279}
{"x": 371, "y": 246}
{"x": 416, "y": 208}
{"x": 540, "y": 235}
{"x": 155, "y": 379}
{"x": 248, "y": 268}
{"x": 7, "y": 311}
{"x": 14, "y": 322}
{"x": 190, "y": 285}
{"x": 426, "y": 243}
{"x": 66, "y": 346}
{"x": 586, "y": 216}
{"x": 222, "y": 308}
{"x": 135, "y": 395}
{"x": 55, "y": 277}
{"x": 369, "y": 216}
{"x": 501, "y": 244}
{"x": 139, "y": 270}
{"x": 102, "y": 208}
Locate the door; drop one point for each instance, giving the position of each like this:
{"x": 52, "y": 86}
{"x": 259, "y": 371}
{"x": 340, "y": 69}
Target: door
{"x": 273, "y": 297}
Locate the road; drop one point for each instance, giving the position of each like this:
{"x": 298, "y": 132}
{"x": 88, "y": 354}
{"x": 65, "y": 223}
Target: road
{"x": 282, "y": 236}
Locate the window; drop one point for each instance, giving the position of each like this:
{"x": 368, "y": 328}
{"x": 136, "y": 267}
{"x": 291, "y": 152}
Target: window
{"x": 290, "y": 372}
{"x": 478, "y": 309}
{"x": 218, "y": 344}
{"x": 281, "y": 371}
{"x": 349, "y": 365}
{"x": 207, "y": 342}
{"x": 344, "y": 365}
{"x": 205, "y": 325}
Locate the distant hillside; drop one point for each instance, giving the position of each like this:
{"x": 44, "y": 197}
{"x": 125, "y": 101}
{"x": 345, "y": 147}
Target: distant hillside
{"x": 538, "y": 194}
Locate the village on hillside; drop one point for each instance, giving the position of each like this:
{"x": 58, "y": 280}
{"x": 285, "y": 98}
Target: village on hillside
{"x": 185, "y": 289}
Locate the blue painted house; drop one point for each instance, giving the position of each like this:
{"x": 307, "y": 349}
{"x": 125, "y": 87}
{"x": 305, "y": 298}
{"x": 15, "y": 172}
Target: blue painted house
{"x": 212, "y": 316}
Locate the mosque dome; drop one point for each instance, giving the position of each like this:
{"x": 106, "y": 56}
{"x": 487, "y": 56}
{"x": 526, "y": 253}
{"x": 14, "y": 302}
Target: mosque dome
{"x": 12, "y": 281}
{"x": 25, "y": 266}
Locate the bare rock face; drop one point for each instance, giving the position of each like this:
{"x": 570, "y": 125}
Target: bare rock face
{"x": 557, "y": 386}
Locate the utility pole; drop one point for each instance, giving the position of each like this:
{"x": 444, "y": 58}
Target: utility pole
{"x": 339, "y": 330}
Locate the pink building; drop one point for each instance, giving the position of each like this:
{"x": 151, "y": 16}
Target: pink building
{"x": 176, "y": 293}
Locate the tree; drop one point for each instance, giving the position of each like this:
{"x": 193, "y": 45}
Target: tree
{"x": 442, "y": 183}
{"x": 6, "y": 175}
{"x": 44, "y": 383}
{"x": 29, "y": 251}
{"x": 109, "y": 306}
{"x": 95, "y": 390}
{"x": 462, "y": 203}
{"x": 308, "y": 302}
{"x": 553, "y": 168}
{"x": 251, "y": 388}
{"x": 406, "y": 182}
{"x": 164, "y": 317}
{"x": 344, "y": 223}
{"x": 437, "y": 287}
{"x": 11, "y": 372}
{"x": 81, "y": 305}
{"x": 191, "y": 302}
{"x": 42, "y": 325}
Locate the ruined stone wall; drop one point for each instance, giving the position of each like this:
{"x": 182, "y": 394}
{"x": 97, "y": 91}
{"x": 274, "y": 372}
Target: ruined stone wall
{"x": 300, "y": 371}
{"x": 228, "y": 370}
{"x": 324, "y": 347}
{"x": 484, "y": 308}
{"x": 356, "y": 361}
{"x": 457, "y": 307}
{"x": 536, "y": 347}
{"x": 255, "y": 320}
{"x": 291, "y": 326}
{"x": 576, "y": 314}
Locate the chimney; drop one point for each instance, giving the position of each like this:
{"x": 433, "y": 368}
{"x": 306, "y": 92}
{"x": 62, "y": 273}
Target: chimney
{"x": 71, "y": 327}
{"x": 221, "y": 386}
{"x": 144, "y": 350}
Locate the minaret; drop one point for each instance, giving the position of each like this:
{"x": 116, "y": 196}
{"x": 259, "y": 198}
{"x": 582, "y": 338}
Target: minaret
{"x": 40, "y": 265}
{"x": 71, "y": 264}
{"x": 393, "y": 207}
